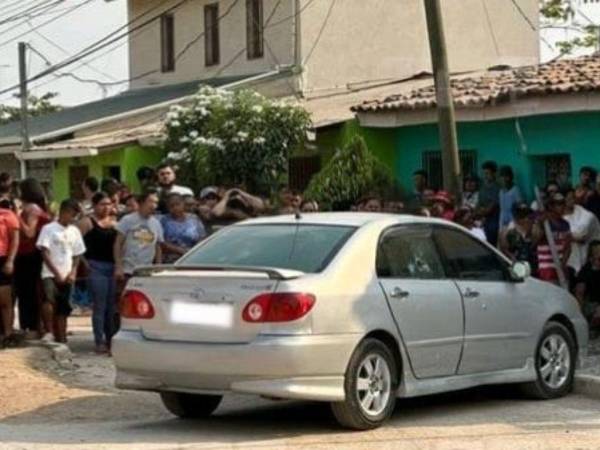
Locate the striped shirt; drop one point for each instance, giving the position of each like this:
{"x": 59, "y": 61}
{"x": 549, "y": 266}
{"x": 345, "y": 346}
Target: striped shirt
{"x": 546, "y": 268}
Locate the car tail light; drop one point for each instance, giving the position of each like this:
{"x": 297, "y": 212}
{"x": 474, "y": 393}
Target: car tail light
{"x": 278, "y": 307}
{"x": 136, "y": 305}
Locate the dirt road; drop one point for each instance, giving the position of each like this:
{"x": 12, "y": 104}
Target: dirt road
{"x": 44, "y": 406}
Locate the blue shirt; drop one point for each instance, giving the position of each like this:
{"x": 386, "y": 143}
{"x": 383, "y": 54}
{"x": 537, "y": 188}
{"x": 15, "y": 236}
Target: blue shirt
{"x": 185, "y": 233}
{"x": 507, "y": 199}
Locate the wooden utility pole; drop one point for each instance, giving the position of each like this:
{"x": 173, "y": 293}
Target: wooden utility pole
{"x": 25, "y": 143}
{"x": 445, "y": 106}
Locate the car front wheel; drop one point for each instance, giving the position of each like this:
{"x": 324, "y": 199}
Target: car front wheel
{"x": 370, "y": 387}
{"x": 554, "y": 363}
{"x": 190, "y": 406}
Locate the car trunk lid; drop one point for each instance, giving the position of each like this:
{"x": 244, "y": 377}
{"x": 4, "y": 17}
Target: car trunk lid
{"x": 203, "y": 304}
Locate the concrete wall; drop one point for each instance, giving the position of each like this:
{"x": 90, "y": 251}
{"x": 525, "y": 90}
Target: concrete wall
{"x": 381, "y": 39}
{"x": 189, "y": 26}
{"x": 361, "y": 40}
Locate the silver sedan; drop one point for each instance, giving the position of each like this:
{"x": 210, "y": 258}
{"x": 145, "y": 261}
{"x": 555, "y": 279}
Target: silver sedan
{"x": 348, "y": 308}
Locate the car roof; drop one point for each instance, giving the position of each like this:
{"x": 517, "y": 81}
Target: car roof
{"x": 354, "y": 219}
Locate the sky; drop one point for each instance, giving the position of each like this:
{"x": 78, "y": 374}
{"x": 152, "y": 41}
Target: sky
{"x": 72, "y": 33}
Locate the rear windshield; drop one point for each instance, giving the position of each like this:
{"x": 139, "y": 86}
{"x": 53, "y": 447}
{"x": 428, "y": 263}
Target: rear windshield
{"x": 307, "y": 248}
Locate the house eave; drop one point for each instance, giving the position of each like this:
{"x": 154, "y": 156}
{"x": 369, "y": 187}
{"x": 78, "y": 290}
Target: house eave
{"x": 551, "y": 104}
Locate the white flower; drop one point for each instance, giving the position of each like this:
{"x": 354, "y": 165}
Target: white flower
{"x": 175, "y": 123}
{"x": 257, "y": 109}
{"x": 184, "y": 139}
{"x": 242, "y": 135}
{"x": 194, "y": 134}
{"x": 259, "y": 140}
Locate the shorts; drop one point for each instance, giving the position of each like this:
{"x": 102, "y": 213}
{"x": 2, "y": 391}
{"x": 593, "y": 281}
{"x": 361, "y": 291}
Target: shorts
{"x": 59, "y": 295}
{"x": 5, "y": 280}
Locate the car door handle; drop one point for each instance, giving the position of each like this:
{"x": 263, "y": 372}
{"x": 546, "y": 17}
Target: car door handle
{"x": 399, "y": 293}
{"x": 470, "y": 293}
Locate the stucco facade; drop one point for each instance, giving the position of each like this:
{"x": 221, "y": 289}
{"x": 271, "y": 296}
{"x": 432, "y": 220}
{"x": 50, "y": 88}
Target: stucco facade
{"x": 349, "y": 44}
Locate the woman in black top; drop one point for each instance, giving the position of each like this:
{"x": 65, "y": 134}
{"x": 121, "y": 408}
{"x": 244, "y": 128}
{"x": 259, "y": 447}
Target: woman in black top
{"x": 99, "y": 234}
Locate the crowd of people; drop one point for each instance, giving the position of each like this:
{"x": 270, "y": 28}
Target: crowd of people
{"x": 50, "y": 256}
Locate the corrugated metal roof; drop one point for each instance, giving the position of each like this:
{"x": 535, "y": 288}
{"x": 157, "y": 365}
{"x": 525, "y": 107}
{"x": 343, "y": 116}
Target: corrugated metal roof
{"x": 122, "y": 103}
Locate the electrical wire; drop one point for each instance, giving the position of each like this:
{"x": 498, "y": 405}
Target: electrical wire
{"x": 321, "y": 31}
{"x": 30, "y": 11}
{"x": 66, "y": 52}
{"x": 490, "y": 27}
{"x": 107, "y": 41}
{"x": 29, "y": 17}
{"x": 531, "y": 24}
{"x": 9, "y": 13}
{"x": 60, "y": 16}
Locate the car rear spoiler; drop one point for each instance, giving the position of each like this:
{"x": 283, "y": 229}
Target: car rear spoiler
{"x": 272, "y": 272}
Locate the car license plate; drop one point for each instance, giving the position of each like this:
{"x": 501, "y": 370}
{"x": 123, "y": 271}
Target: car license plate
{"x": 211, "y": 314}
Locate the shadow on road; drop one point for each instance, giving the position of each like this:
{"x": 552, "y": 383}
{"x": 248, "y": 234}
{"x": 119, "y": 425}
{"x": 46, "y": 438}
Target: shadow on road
{"x": 138, "y": 417}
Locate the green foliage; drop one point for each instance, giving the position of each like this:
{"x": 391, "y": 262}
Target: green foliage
{"x": 37, "y": 106}
{"x": 237, "y": 138}
{"x": 352, "y": 173}
{"x": 560, "y": 14}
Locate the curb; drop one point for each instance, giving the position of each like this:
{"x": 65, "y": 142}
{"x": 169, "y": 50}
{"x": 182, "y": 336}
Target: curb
{"x": 588, "y": 385}
{"x": 60, "y": 353}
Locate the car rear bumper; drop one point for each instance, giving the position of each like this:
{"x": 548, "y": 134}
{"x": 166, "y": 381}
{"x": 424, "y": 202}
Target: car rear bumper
{"x": 308, "y": 367}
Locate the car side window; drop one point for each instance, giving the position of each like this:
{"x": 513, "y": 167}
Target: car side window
{"x": 468, "y": 259}
{"x": 406, "y": 252}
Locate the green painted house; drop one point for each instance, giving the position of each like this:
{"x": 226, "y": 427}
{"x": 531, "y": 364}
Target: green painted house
{"x": 542, "y": 120}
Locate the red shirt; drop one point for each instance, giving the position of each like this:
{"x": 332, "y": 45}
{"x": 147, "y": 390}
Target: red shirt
{"x": 28, "y": 245}
{"x": 9, "y": 222}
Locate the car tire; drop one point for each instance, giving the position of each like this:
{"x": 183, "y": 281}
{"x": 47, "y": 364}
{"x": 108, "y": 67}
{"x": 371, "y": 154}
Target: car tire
{"x": 370, "y": 393}
{"x": 190, "y": 406}
{"x": 555, "y": 360}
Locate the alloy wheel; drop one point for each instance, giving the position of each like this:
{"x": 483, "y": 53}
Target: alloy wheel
{"x": 373, "y": 385}
{"x": 554, "y": 361}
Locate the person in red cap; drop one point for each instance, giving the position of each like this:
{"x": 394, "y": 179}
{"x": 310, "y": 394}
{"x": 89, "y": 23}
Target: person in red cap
{"x": 442, "y": 206}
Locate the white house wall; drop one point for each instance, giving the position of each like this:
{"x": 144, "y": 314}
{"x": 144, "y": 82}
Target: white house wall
{"x": 362, "y": 41}
{"x": 369, "y": 40}
{"x": 189, "y": 24}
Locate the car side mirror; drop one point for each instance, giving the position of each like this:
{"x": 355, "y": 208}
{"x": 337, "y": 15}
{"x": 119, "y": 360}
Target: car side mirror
{"x": 520, "y": 271}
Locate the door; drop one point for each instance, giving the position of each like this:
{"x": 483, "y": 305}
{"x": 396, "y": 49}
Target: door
{"x": 77, "y": 175}
{"x": 425, "y": 305}
{"x": 496, "y": 328}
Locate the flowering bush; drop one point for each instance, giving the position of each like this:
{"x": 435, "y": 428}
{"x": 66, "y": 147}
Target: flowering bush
{"x": 234, "y": 138}
{"x": 352, "y": 173}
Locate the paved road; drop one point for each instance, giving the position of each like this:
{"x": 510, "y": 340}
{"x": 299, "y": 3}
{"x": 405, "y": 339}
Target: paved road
{"x": 86, "y": 412}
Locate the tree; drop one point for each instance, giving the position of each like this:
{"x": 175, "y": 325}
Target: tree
{"x": 350, "y": 174}
{"x": 235, "y": 138}
{"x": 37, "y": 106}
{"x": 561, "y": 14}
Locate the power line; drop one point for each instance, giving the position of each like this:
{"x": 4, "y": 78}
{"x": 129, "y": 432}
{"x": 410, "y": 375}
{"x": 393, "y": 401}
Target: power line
{"x": 69, "y": 11}
{"x": 29, "y": 11}
{"x": 490, "y": 27}
{"x": 23, "y": 6}
{"x": 321, "y": 31}
{"x": 531, "y": 24}
{"x": 98, "y": 45}
{"x": 95, "y": 47}
{"x": 29, "y": 17}
{"x": 66, "y": 52}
